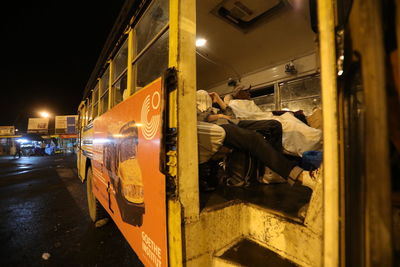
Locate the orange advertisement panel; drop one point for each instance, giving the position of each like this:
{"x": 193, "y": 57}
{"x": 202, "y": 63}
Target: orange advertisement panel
{"x": 126, "y": 176}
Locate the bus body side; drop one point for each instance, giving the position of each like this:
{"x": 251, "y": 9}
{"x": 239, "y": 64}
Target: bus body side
{"x": 85, "y": 141}
{"x": 158, "y": 205}
{"x": 120, "y": 134}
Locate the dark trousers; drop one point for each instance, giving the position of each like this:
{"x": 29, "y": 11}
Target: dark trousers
{"x": 249, "y": 136}
{"x": 270, "y": 129}
{"x": 17, "y": 153}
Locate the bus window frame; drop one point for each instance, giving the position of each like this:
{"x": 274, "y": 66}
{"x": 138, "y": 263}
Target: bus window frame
{"x": 85, "y": 117}
{"x": 90, "y": 108}
{"x": 113, "y": 63}
{"x": 106, "y": 90}
{"x": 118, "y": 78}
{"x": 132, "y": 46}
{"x": 95, "y": 101}
{"x": 81, "y": 116}
{"x": 114, "y": 89}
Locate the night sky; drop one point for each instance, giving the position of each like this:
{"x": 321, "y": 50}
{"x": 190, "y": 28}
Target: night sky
{"x": 49, "y": 51}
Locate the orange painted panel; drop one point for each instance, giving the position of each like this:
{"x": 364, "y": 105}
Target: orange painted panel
{"x": 127, "y": 180}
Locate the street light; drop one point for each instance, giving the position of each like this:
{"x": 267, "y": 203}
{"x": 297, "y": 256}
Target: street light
{"x": 44, "y": 114}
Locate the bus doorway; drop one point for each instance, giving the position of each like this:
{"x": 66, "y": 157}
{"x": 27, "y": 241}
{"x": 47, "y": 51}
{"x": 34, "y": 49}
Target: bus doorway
{"x": 262, "y": 59}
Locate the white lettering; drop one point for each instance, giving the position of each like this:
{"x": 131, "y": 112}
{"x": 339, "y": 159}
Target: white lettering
{"x": 150, "y": 248}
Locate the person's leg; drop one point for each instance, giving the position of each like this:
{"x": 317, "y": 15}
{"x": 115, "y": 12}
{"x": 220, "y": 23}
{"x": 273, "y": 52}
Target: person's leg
{"x": 270, "y": 129}
{"x": 255, "y": 144}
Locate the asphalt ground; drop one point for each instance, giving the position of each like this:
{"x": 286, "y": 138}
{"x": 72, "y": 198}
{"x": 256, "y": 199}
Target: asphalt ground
{"x": 43, "y": 210}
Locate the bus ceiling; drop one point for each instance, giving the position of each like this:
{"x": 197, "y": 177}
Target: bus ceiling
{"x": 257, "y": 34}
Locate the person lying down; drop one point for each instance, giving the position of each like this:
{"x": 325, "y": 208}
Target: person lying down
{"x": 297, "y": 136}
{"x": 244, "y": 135}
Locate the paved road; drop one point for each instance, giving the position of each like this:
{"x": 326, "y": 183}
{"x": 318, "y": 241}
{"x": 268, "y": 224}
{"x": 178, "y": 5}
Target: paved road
{"x": 43, "y": 209}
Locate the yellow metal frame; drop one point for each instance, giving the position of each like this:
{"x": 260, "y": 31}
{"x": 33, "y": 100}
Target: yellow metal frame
{"x": 129, "y": 82}
{"x": 111, "y": 72}
{"x": 326, "y": 19}
{"x": 174, "y": 208}
{"x": 367, "y": 38}
{"x": 182, "y": 115}
{"x": 173, "y": 56}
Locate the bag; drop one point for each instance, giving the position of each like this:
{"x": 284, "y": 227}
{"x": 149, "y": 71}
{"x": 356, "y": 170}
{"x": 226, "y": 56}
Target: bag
{"x": 241, "y": 169}
{"x": 208, "y": 175}
{"x": 311, "y": 160}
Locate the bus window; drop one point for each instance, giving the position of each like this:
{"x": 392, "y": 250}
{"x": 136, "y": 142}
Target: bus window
{"x": 104, "y": 91}
{"x": 151, "y": 65}
{"x": 151, "y": 45}
{"x": 85, "y": 114}
{"x": 264, "y": 97}
{"x": 302, "y": 94}
{"x": 95, "y": 101}
{"x": 151, "y": 23}
{"x": 119, "y": 90}
{"x": 119, "y": 75}
{"x": 89, "y": 109}
{"x": 81, "y": 116}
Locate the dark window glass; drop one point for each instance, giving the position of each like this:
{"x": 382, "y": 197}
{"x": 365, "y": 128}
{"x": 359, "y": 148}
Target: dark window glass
{"x": 152, "y": 64}
{"x": 155, "y": 18}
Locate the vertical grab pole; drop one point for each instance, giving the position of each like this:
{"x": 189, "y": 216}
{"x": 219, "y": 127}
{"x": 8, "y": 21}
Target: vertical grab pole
{"x": 326, "y": 24}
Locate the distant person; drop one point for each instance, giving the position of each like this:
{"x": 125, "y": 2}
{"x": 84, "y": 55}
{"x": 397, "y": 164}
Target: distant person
{"x": 42, "y": 149}
{"x": 17, "y": 150}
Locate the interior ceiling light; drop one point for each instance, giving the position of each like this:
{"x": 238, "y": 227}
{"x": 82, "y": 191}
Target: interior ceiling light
{"x": 245, "y": 14}
{"x": 201, "y": 42}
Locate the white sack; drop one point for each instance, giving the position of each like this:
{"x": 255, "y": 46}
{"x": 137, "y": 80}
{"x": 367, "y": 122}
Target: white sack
{"x": 297, "y": 137}
{"x": 247, "y": 109}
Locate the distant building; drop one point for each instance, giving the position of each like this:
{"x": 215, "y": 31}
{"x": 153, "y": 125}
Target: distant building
{"x": 7, "y": 138}
{"x": 66, "y": 124}
{"x": 7, "y": 130}
{"x": 38, "y": 125}
{"x": 66, "y": 132}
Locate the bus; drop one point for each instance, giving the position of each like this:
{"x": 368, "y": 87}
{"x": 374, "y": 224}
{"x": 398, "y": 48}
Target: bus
{"x": 138, "y": 151}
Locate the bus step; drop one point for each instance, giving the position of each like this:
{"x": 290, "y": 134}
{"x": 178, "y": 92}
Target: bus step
{"x": 249, "y": 253}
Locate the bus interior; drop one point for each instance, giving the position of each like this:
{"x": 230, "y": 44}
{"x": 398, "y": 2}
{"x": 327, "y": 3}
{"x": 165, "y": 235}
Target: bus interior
{"x": 255, "y": 52}
{"x": 269, "y": 47}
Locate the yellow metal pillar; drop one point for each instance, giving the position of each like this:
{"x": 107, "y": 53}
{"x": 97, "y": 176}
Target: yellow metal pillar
{"x": 330, "y": 131}
{"x": 110, "y": 81}
{"x": 129, "y": 82}
{"x": 182, "y": 115}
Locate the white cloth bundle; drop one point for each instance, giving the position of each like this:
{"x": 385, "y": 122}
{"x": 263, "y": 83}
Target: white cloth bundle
{"x": 203, "y": 100}
{"x": 297, "y": 137}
